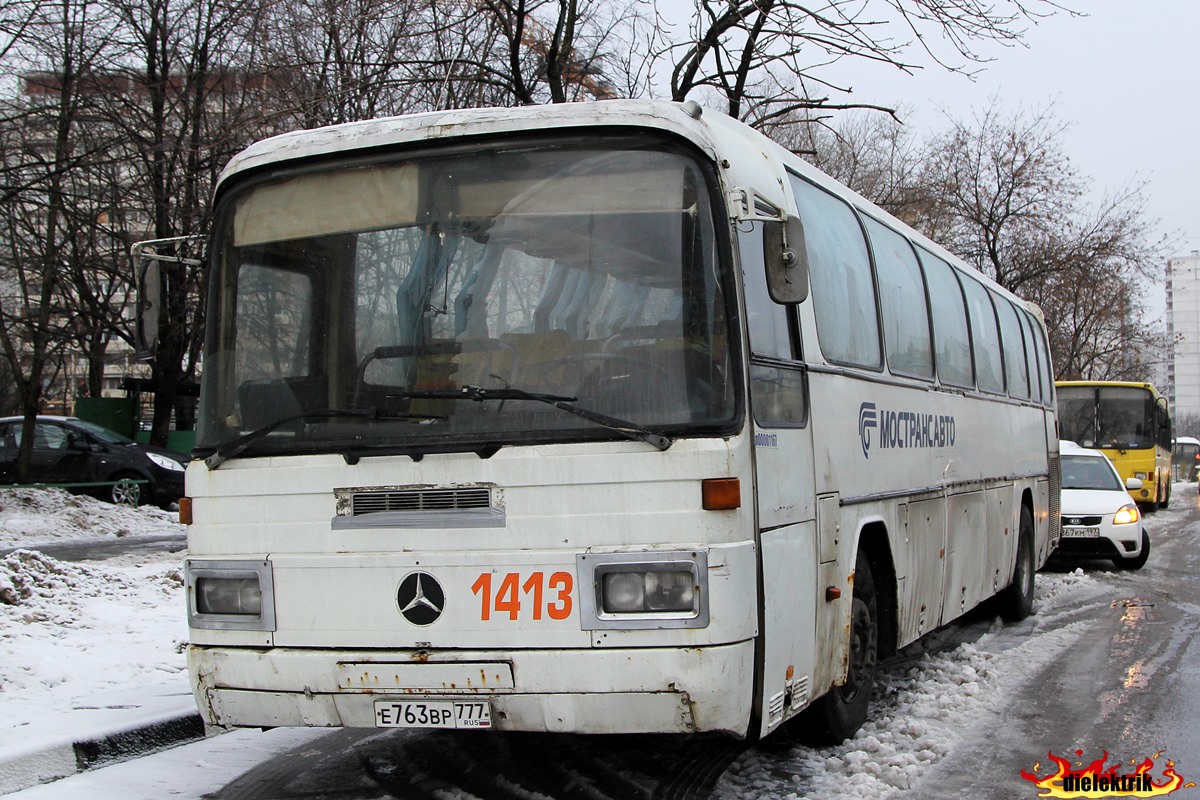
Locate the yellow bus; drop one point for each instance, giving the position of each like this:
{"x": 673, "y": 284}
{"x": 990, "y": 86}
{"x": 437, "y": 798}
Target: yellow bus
{"x": 1131, "y": 423}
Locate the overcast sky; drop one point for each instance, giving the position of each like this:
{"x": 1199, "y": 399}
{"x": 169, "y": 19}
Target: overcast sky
{"x": 1125, "y": 78}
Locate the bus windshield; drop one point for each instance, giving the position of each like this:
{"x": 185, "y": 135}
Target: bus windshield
{"x": 1114, "y": 417}
{"x": 361, "y": 307}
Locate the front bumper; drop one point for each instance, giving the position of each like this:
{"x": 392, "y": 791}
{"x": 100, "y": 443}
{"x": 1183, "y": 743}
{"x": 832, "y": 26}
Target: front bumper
{"x": 642, "y": 690}
{"x": 1123, "y": 545}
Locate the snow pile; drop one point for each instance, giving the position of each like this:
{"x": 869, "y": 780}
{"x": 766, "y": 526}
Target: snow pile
{"x": 73, "y": 634}
{"x": 29, "y": 517}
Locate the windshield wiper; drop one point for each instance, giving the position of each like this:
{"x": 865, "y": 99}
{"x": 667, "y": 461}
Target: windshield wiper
{"x": 630, "y": 430}
{"x": 235, "y": 446}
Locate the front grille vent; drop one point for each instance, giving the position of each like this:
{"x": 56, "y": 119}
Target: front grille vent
{"x": 402, "y": 500}
{"x": 1055, "y": 507}
{"x": 1074, "y": 521}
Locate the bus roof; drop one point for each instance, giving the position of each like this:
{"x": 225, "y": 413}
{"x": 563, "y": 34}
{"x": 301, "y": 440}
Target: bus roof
{"x": 384, "y": 132}
{"x": 1124, "y": 384}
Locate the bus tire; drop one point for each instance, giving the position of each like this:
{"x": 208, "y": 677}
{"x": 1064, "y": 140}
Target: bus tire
{"x": 839, "y": 713}
{"x": 1166, "y": 503}
{"x": 1016, "y": 600}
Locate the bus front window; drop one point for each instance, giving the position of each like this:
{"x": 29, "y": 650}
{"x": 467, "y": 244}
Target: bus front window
{"x": 1111, "y": 417}
{"x": 357, "y": 300}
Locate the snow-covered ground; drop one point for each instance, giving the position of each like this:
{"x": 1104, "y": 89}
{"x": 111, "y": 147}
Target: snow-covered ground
{"x": 72, "y": 634}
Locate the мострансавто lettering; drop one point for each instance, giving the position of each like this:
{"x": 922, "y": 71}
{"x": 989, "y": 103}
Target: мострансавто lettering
{"x": 911, "y": 429}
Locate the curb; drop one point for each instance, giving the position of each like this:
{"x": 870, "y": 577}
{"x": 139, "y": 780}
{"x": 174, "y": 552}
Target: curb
{"x": 50, "y": 763}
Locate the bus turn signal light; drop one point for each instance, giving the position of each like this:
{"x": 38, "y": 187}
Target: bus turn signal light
{"x": 721, "y": 494}
{"x": 185, "y": 511}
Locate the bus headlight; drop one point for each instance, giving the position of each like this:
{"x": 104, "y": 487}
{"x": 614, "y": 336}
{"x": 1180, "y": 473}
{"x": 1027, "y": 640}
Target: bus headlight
{"x": 644, "y": 590}
{"x": 230, "y": 595}
{"x": 648, "y": 590}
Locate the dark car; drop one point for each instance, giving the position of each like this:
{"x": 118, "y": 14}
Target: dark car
{"x": 93, "y": 460}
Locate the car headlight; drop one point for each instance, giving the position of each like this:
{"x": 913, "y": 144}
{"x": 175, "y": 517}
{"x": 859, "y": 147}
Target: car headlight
{"x": 168, "y": 464}
{"x": 1126, "y": 515}
{"x": 235, "y": 595}
{"x": 644, "y": 590}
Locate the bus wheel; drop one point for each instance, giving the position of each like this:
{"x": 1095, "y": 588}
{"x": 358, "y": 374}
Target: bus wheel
{"x": 1166, "y": 503}
{"x": 840, "y": 712}
{"x": 1016, "y": 601}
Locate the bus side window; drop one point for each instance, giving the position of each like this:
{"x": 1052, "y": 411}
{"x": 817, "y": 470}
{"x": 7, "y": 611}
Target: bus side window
{"x": 952, "y": 338}
{"x": 1033, "y": 355}
{"x": 1015, "y": 365}
{"x": 1045, "y": 368}
{"x": 777, "y": 393}
{"x": 985, "y": 337}
{"x": 903, "y": 302}
{"x": 843, "y": 287}
{"x": 766, "y": 320}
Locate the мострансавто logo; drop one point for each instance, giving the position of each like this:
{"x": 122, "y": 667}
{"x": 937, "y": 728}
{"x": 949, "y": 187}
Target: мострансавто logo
{"x": 1100, "y": 779}
{"x": 899, "y": 429}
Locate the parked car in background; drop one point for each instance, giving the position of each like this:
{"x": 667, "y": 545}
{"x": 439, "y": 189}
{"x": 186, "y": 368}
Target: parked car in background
{"x": 1099, "y": 519}
{"x": 91, "y": 459}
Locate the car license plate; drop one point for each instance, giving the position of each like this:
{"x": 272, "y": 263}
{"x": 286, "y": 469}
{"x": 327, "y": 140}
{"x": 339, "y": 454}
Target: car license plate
{"x": 1080, "y": 533}
{"x": 433, "y": 714}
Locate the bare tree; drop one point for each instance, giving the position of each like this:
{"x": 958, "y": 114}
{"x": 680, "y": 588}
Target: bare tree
{"x": 1005, "y": 197}
{"x": 768, "y": 59}
{"x": 38, "y": 221}
{"x": 535, "y": 51}
{"x": 333, "y": 61}
{"x": 192, "y": 101}
{"x": 876, "y": 155}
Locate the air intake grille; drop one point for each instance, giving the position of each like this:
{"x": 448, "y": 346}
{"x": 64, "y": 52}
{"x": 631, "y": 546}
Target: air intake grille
{"x": 373, "y": 502}
{"x": 1055, "y": 504}
{"x": 1081, "y": 520}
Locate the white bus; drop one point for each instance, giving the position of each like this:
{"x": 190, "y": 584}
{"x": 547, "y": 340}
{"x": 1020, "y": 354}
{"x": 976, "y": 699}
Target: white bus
{"x": 603, "y": 417}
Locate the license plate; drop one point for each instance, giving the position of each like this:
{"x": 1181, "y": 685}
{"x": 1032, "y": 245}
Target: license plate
{"x": 1080, "y": 533}
{"x": 433, "y": 714}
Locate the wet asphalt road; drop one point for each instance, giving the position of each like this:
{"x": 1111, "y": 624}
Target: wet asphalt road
{"x": 1128, "y": 687}
{"x": 101, "y": 549}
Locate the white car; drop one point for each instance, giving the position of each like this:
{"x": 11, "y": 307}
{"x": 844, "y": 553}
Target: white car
{"x": 1099, "y": 519}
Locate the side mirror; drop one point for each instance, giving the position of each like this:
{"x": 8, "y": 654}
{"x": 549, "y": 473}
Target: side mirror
{"x": 1133, "y": 484}
{"x": 78, "y": 443}
{"x": 148, "y": 259}
{"x": 786, "y": 257}
{"x": 149, "y": 304}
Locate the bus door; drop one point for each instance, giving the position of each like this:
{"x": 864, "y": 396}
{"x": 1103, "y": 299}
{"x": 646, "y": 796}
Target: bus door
{"x": 784, "y": 494}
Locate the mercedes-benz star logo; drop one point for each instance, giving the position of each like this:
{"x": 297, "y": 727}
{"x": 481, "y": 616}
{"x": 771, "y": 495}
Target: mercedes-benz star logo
{"x": 420, "y": 598}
